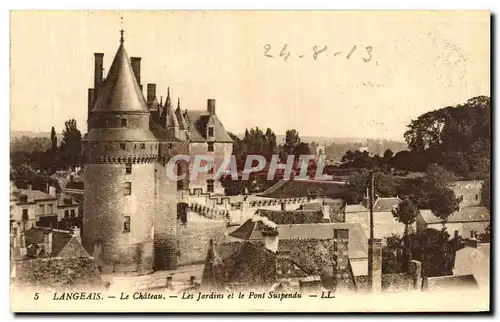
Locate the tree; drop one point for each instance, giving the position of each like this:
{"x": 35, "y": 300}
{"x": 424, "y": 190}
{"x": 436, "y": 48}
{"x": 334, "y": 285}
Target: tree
{"x": 486, "y": 193}
{"x": 406, "y": 213}
{"x": 385, "y": 185}
{"x": 53, "y": 140}
{"x": 292, "y": 139}
{"x": 486, "y": 236}
{"x": 443, "y": 202}
{"x": 388, "y": 154}
{"x": 457, "y": 137}
{"x": 71, "y": 144}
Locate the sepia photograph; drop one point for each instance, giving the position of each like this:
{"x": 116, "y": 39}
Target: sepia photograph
{"x": 250, "y": 161}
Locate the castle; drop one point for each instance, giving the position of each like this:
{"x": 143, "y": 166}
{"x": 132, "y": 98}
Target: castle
{"x": 130, "y": 221}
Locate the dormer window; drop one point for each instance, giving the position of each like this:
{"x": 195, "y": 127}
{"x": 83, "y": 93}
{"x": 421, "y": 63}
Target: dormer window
{"x": 210, "y": 131}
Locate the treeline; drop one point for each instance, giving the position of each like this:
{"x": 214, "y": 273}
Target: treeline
{"x": 33, "y": 160}
{"x": 455, "y": 137}
{"x": 256, "y": 141}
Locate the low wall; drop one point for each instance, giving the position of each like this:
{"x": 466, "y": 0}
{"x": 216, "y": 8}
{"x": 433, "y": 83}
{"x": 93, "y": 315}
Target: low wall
{"x": 194, "y": 240}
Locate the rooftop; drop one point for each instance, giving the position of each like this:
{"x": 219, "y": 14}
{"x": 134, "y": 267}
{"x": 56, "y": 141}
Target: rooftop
{"x": 466, "y": 214}
{"x": 305, "y": 188}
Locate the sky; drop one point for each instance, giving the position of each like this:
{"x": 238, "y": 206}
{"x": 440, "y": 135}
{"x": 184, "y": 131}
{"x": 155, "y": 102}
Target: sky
{"x": 379, "y": 71}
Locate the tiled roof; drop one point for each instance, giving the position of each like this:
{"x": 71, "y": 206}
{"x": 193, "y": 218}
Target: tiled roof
{"x": 355, "y": 208}
{"x": 60, "y": 240}
{"x": 198, "y": 120}
{"x": 66, "y": 200}
{"x": 304, "y": 188}
{"x": 386, "y": 204}
{"x": 358, "y": 247}
{"x": 240, "y": 263}
{"x": 452, "y": 282}
{"x": 120, "y": 91}
{"x": 35, "y": 195}
{"x": 466, "y": 214}
{"x": 291, "y": 216}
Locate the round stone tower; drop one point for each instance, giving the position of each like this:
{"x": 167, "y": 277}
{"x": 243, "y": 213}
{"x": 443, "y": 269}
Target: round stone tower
{"x": 119, "y": 174}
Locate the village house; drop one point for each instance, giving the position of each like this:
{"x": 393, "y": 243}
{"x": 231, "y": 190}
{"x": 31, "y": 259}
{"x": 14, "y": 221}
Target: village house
{"x": 383, "y": 220}
{"x": 468, "y": 222}
{"x": 300, "y": 265}
{"x": 48, "y": 209}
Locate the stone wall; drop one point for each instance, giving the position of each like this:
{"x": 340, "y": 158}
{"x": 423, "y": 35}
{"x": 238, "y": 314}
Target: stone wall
{"x": 166, "y": 226}
{"x": 105, "y": 208}
{"x": 469, "y": 191}
{"x": 194, "y": 240}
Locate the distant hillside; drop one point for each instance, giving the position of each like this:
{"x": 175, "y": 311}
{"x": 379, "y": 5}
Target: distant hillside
{"x": 32, "y": 134}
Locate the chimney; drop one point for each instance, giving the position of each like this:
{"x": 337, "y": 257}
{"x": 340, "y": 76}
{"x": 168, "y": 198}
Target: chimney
{"x": 75, "y": 233}
{"x": 416, "y": 273}
{"x": 271, "y": 239}
{"x": 169, "y": 282}
{"x": 90, "y": 101}
{"x": 471, "y": 242}
{"x": 151, "y": 92}
{"x": 326, "y": 212}
{"x": 52, "y": 191}
{"x": 377, "y": 265}
{"x": 310, "y": 285}
{"x": 211, "y": 106}
{"x": 136, "y": 67}
{"x": 340, "y": 246}
{"x": 22, "y": 245}
{"x": 98, "y": 69}
{"x": 47, "y": 242}
{"x": 30, "y": 186}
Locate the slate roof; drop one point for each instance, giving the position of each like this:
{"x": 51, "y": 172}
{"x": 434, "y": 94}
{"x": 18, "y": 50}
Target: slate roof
{"x": 63, "y": 243}
{"x": 239, "y": 263}
{"x": 386, "y": 204}
{"x": 250, "y": 264}
{"x": 452, "y": 282}
{"x": 466, "y": 214}
{"x": 292, "y": 216}
{"x": 356, "y": 208}
{"x": 303, "y": 188}
{"x": 35, "y": 195}
{"x": 120, "y": 91}
{"x": 120, "y": 134}
{"x": 197, "y": 122}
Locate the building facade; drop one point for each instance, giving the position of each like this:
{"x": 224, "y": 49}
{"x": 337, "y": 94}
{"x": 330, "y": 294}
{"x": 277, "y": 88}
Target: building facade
{"x": 130, "y": 221}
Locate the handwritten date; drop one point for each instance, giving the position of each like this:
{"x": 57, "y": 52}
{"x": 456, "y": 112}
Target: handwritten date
{"x": 317, "y": 51}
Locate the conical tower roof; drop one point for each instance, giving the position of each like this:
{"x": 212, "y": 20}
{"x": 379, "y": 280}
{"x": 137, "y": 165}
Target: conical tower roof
{"x": 168, "y": 115}
{"x": 120, "y": 91}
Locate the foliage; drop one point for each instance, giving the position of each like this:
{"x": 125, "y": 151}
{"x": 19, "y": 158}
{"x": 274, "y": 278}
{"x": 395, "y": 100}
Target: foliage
{"x": 486, "y": 236}
{"x": 406, "y": 213}
{"x": 71, "y": 144}
{"x": 53, "y": 140}
{"x": 432, "y": 248}
{"x": 26, "y": 144}
{"x": 385, "y": 185}
{"x": 457, "y": 137}
{"x": 486, "y": 193}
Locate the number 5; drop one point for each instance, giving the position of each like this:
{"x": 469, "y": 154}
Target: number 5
{"x": 36, "y": 296}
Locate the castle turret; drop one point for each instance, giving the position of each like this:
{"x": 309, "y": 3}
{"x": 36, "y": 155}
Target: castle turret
{"x": 120, "y": 154}
{"x": 168, "y": 118}
{"x": 180, "y": 117}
